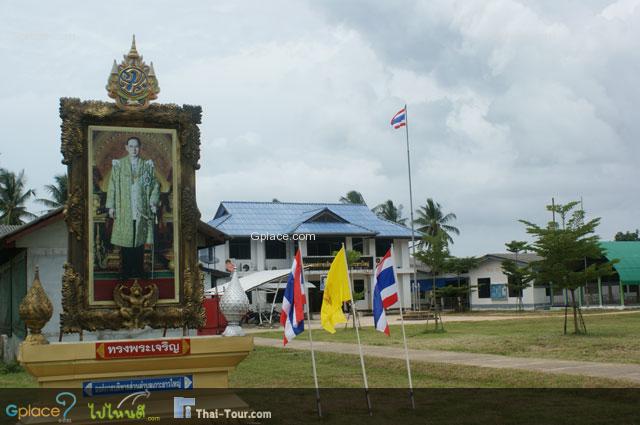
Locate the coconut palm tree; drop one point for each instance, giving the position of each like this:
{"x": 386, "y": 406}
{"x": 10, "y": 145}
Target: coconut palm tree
{"x": 58, "y": 191}
{"x": 353, "y": 197}
{"x": 13, "y": 197}
{"x": 432, "y": 221}
{"x": 390, "y": 212}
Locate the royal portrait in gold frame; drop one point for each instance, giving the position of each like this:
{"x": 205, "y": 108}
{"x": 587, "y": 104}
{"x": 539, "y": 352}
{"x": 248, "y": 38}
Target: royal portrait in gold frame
{"x": 131, "y": 216}
{"x": 134, "y": 302}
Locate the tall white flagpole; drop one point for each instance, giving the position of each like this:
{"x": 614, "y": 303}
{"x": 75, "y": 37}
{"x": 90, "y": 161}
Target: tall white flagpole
{"x": 313, "y": 355}
{"x": 353, "y": 311}
{"x": 413, "y": 232}
{"x": 404, "y": 335}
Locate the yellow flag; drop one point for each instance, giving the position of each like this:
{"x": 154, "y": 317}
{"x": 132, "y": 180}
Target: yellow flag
{"x": 336, "y": 291}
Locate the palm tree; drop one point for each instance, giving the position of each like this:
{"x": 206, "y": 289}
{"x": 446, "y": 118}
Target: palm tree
{"x": 58, "y": 191}
{"x": 353, "y": 197}
{"x": 432, "y": 221}
{"x": 13, "y": 197}
{"x": 390, "y": 212}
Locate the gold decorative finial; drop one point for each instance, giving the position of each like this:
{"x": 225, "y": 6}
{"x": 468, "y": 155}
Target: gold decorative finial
{"x": 133, "y": 83}
{"x": 36, "y": 310}
{"x": 133, "y": 52}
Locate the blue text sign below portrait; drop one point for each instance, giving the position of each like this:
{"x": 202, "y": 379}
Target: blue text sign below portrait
{"x": 124, "y": 386}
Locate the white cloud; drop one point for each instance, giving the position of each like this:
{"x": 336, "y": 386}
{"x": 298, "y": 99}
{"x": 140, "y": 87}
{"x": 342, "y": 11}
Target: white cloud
{"x": 510, "y": 102}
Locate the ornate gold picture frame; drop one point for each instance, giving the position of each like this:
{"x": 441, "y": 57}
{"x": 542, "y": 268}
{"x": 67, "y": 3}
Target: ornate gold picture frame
{"x": 136, "y": 301}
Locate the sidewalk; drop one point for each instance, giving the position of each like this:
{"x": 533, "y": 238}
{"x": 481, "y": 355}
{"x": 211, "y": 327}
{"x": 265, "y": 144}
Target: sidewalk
{"x": 629, "y": 372}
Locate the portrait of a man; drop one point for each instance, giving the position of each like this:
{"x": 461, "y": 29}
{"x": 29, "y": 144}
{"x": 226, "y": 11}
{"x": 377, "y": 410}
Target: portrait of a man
{"x": 132, "y": 201}
{"x": 132, "y": 220}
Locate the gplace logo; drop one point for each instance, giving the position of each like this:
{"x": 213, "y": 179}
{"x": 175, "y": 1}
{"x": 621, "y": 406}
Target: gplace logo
{"x": 182, "y": 407}
{"x": 64, "y": 399}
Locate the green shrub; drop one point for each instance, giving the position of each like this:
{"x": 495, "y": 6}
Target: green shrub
{"x": 12, "y": 367}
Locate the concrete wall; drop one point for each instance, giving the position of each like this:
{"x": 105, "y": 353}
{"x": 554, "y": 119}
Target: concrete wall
{"x": 47, "y": 250}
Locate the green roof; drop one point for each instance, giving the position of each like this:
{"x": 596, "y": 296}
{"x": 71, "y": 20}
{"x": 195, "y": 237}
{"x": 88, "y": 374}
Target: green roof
{"x": 629, "y": 255}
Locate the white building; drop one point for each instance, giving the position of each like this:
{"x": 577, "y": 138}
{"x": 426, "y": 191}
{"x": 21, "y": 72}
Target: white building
{"x": 490, "y": 285}
{"x": 619, "y": 290}
{"x": 265, "y": 235}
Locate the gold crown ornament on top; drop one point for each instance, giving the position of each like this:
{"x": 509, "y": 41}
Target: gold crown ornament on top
{"x": 132, "y": 83}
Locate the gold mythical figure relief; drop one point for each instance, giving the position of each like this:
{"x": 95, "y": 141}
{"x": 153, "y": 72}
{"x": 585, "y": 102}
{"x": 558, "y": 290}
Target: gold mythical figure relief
{"x": 136, "y": 304}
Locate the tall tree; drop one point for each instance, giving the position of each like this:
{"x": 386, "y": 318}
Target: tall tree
{"x": 564, "y": 248}
{"x": 353, "y": 197}
{"x": 434, "y": 253}
{"x": 628, "y": 236}
{"x": 58, "y": 191}
{"x": 389, "y": 211}
{"x": 432, "y": 221}
{"x": 518, "y": 278}
{"x": 13, "y": 197}
{"x": 459, "y": 266}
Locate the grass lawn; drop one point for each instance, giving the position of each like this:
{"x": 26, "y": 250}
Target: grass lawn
{"x": 271, "y": 367}
{"x": 17, "y": 380}
{"x": 612, "y": 337}
{"x": 343, "y": 402}
{"x": 276, "y": 368}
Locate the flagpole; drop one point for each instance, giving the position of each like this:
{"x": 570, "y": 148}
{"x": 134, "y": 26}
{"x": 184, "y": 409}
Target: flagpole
{"x": 354, "y": 312}
{"x": 404, "y": 336}
{"x": 313, "y": 355}
{"x": 413, "y": 232}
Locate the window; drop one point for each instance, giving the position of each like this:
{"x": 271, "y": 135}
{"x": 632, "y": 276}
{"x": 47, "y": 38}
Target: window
{"x": 324, "y": 246}
{"x": 484, "y": 287}
{"x": 206, "y": 255}
{"x": 276, "y": 250}
{"x": 358, "y": 245}
{"x": 358, "y": 289}
{"x": 382, "y": 246}
{"x": 240, "y": 249}
{"x": 358, "y": 285}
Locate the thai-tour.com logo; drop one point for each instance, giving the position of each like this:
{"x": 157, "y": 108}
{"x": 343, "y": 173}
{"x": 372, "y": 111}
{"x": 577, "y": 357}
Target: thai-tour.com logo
{"x": 182, "y": 407}
{"x": 185, "y": 408}
{"x": 64, "y": 400}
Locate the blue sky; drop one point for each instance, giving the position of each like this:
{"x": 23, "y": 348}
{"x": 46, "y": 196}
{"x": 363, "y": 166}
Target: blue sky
{"x": 510, "y": 103}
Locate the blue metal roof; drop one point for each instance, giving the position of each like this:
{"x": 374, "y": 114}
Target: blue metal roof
{"x": 238, "y": 218}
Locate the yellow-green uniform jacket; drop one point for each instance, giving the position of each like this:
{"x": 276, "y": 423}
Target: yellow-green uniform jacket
{"x": 143, "y": 184}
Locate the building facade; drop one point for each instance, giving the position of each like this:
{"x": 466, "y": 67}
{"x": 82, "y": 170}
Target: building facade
{"x": 265, "y": 236}
{"x": 489, "y": 283}
{"x": 619, "y": 290}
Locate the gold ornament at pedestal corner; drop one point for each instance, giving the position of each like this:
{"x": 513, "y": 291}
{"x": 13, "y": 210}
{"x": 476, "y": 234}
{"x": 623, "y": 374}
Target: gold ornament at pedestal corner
{"x": 132, "y": 83}
{"x": 35, "y": 311}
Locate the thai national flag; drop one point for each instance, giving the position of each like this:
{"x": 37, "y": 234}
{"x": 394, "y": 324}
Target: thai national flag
{"x": 385, "y": 292}
{"x": 399, "y": 119}
{"x": 292, "y": 316}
